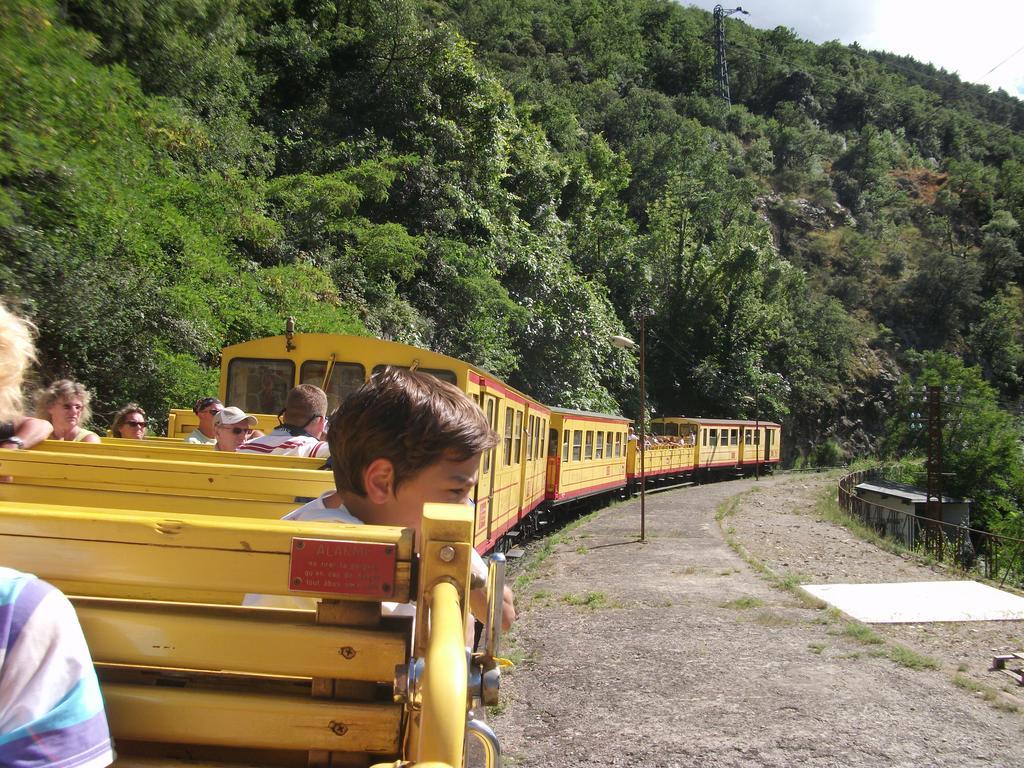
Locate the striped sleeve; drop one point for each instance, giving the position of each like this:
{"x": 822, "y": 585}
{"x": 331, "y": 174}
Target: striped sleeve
{"x": 51, "y": 710}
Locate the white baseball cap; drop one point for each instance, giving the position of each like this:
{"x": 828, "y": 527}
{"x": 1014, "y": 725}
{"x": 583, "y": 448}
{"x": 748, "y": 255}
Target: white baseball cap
{"x": 233, "y": 415}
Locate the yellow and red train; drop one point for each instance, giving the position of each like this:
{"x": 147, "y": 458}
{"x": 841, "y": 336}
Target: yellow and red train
{"x": 548, "y": 458}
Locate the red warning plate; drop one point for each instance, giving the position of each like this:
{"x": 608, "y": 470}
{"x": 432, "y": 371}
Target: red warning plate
{"x": 342, "y": 567}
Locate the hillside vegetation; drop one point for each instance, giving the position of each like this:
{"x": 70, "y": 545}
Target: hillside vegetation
{"x": 511, "y": 182}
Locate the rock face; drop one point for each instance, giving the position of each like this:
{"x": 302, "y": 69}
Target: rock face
{"x": 857, "y": 421}
{"x": 801, "y": 214}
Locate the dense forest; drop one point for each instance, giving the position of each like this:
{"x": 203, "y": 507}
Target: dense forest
{"x": 513, "y": 182}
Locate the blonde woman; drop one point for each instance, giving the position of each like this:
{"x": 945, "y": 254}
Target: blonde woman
{"x": 129, "y": 423}
{"x": 17, "y": 352}
{"x": 65, "y": 404}
{"x": 51, "y": 710}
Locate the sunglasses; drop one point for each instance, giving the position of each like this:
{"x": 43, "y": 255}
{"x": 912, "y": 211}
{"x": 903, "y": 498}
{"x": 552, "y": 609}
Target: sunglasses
{"x": 135, "y": 423}
{"x": 238, "y": 430}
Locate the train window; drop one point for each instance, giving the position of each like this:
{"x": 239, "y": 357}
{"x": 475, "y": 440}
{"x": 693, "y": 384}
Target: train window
{"x": 490, "y": 420}
{"x": 734, "y": 437}
{"x": 757, "y": 437}
{"x": 259, "y": 386}
{"x": 577, "y": 444}
{"x": 713, "y": 437}
{"x": 618, "y": 445}
{"x": 608, "y": 445}
{"x": 518, "y": 433}
{"x": 529, "y": 437}
{"x": 657, "y": 428}
{"x": 599, "y": 446}
{"x": 508, "y": 436}
{"x": 565, "y": 445}
{"x": 345, "y": 379}
{"x": 748, "y": 437}
{"x": 552, "y": 442}
{"x": 588, "y": 451}
{"x": 672, "y": 430}
{"x": 703, "y": 437}
{"x": 440, "y": 373}
{"x": 542, "y": 427}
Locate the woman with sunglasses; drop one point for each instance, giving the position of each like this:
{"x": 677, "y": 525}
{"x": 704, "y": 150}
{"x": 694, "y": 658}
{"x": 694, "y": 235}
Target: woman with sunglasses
{"x": 129, "y": 423}
{"x": 233, "y": 426}
{"x": 65, "y": 404}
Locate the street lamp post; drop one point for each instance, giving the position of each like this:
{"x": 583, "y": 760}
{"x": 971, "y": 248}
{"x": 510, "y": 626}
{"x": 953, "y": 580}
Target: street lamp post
{"x": 627, "y": 343}
{"x": 755, "y": 401}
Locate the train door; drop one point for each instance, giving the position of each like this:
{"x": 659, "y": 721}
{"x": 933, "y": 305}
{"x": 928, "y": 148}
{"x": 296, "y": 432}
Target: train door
{"x": 485, "y": 482}
{"x": 767, "y": 444}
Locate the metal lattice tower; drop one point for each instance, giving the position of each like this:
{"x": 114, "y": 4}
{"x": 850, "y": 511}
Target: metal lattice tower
{"x": 721, "y": 65}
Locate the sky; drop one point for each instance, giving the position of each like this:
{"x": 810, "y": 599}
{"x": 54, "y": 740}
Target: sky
{"x": 980, "y": 40}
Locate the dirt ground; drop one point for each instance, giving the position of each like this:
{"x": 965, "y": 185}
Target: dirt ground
{"x": 678, "y": 652}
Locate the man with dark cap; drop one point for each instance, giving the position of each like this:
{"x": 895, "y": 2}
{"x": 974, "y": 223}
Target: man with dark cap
{"x": 303, "y": 421}
{"x": 206, "y": 408}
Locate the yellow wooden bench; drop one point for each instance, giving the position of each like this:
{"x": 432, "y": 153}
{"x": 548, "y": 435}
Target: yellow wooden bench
{"x": 176, "y": 451}
{"x": 182, "y": 421}
{"x": 169, "y": 478}
{"x": 191, "y": 678}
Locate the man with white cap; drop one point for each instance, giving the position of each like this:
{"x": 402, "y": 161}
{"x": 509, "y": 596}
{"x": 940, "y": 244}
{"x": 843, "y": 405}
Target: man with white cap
{"x": 232, "y": 426}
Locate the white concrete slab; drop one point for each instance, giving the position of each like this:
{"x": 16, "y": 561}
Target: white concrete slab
{"x": 921, "y": 601}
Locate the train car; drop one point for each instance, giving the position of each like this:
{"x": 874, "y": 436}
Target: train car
{"x": 586, "y": 455}
{"x": 724, "y": 445}
{"x": 256, "y": 377}
{"x": 670, "y": 457}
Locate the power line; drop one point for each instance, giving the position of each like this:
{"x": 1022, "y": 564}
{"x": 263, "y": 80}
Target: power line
{"x": 997, "y": 66}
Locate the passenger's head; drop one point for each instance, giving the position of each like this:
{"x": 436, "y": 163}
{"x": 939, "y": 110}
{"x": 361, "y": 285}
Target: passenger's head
{"x": 233, "y": 426}
{"x": 64, "y": 404}
{"x": 129, "y": 422}
{"x": 406, "y": 438}
{"x": 306, "y": 408}
{"x": 206, "y": 408}
{"x": 16, "y": 354}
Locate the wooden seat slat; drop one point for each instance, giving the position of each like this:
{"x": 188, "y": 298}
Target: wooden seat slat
{"x": 192, "y": 716}
{"x": 168, "y": 477}
{"x": 175, "y": 450}
{"x": 86, "y": 551}
{"x": 235, "y": 639}
{"x": 138, "y": 501}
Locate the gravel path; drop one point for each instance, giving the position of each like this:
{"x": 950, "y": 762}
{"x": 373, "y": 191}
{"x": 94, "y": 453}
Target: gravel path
{"x": 676, "y": 652}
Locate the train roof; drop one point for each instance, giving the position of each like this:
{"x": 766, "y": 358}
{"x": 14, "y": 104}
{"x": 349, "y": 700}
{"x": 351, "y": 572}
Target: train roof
{"x": 591, "y": 415}
{"x": 718, "y": 422}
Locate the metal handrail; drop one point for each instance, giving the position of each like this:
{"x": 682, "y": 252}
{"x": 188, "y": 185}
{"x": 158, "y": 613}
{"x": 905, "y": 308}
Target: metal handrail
{"x": 444, "y": 686}
{"x": 488, "y": 740}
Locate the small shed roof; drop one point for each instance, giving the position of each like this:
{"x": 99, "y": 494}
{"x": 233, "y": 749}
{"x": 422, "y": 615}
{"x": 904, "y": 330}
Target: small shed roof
{"x": 904, "y": 491}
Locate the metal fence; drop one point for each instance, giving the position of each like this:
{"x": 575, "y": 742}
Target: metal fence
{"x": 990, "y": 555}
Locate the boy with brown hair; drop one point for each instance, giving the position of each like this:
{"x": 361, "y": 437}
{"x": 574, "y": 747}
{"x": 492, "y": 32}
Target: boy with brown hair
{"x": 402, "y": 440}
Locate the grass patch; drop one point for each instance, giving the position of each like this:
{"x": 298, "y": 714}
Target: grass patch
{"x": 827, "y": 616}
{"x": 769, "y": 619}
{"x": 743, "y": 603}
{"x": 911, "y": 659}
{"x": 591, "y": 600}
{"x": 861, "y": 633}
{"x": 581, "y": 550}
{"x": 960, "y": 681}
{"x": 817, "y": 647}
